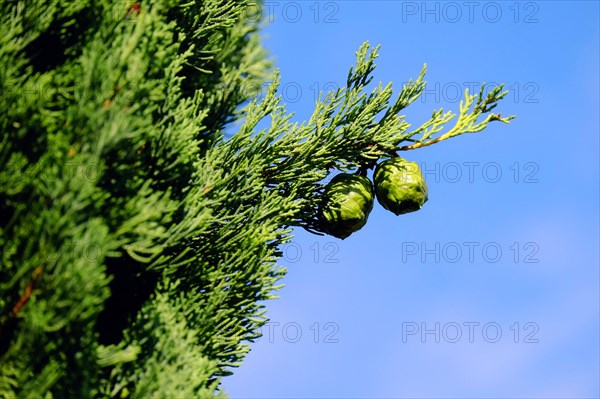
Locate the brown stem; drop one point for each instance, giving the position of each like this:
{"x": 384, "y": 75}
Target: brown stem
{"x": 25, "y": 297}
{"x": 424, "y": 144}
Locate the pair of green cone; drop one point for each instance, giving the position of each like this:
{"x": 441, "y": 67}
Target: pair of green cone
{"x": 348, "y": 198}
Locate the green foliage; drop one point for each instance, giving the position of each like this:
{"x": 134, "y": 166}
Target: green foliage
{"x": 137, "y": 243}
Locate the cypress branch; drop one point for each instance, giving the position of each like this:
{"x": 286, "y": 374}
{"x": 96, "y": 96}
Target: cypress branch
{"x": 138, "y": 243}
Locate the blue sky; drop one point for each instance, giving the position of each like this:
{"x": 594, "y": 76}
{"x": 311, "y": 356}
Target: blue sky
{"x": 492, "y": 289}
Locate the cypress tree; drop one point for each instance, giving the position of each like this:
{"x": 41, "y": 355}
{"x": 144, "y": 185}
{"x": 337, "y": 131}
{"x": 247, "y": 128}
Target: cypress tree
{"x": 138, "y": 240}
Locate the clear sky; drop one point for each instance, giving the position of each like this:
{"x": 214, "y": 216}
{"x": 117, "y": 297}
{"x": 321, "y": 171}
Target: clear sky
{"x": 492, "y": 288}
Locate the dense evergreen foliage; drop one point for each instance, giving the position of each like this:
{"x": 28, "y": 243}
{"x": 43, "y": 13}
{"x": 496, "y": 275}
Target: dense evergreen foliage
{"x": 137, "y": 242}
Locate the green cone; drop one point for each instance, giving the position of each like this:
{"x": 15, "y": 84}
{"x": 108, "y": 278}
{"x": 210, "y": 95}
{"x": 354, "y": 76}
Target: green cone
{"x": 400, "y": 186}
{"x": 346, "y": 204}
